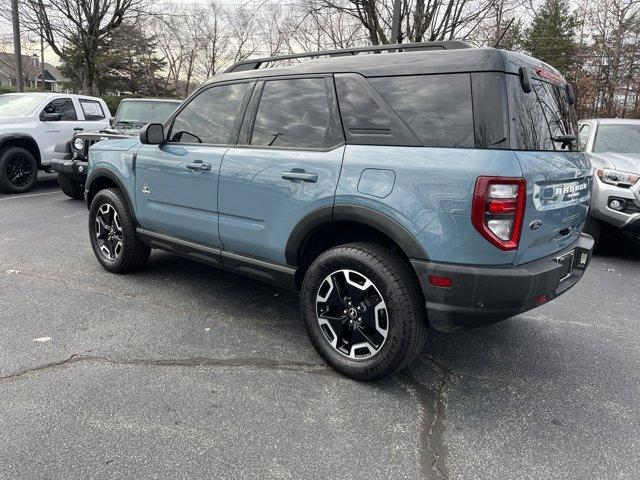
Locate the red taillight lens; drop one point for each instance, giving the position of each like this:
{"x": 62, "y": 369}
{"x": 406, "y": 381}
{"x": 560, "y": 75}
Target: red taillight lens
{"x": 498, "y": 210}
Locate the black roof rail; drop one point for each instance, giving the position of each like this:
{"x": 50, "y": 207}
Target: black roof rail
{"x": 256, "y": 63}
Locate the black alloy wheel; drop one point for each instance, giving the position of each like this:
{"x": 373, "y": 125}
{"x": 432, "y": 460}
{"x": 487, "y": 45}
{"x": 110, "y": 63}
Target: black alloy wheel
{"x": 108, "y": 231}
{"x": 18, "y": 170}
{"x": 352, "y": 314}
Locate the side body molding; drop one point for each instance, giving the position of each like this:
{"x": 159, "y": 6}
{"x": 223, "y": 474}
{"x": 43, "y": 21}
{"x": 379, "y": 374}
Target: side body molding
{"x": 353, "y": 213}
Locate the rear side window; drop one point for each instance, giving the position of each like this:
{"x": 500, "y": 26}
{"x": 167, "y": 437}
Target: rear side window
{"x": 437, "y": 108}
{"x": 63, "y": 106}
{"x": 366, "y": 117}
{"x": 211, "y": 116}
{"x": 295, "y": 114}
{"x": 92, "y": 110}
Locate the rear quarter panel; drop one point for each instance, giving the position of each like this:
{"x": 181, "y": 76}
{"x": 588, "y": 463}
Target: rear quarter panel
{"x": 430, "y": 194}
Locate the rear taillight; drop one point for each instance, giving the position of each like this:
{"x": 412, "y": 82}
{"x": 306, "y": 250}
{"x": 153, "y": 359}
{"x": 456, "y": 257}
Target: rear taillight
{"x": 498, "y": 210}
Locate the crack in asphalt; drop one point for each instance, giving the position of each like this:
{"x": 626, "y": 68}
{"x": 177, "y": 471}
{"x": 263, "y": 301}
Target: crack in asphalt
{"x": 433, "y": 452}
{"x": 261, "y": 363}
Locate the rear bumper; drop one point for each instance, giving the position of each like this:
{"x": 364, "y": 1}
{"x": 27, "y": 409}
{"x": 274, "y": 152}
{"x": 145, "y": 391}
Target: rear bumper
{"x": 484, "y": 295}
{"x": 74, "y": 168}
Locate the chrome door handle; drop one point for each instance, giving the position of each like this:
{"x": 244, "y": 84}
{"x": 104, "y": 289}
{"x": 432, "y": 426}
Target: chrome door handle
{"x": 300, "y": 176}
{"x": 199, "y": 165}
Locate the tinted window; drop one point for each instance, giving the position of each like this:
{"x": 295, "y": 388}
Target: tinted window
{"x": 558, "y": 113}
{"x": 437, "y": 108}
{"x": 210, "y": 117}
{"x": 294, "y": 113}
{"x": 63, "y": 106}
{"x": 490, "y": 115}
{"x": 529, "y": 129}
{"x": 92, "y": 110}
{"x": 366, "y": 117}
{"x": 585, "y": 130}
{"x": 617, "y": 138}
{"x": 537, "y": 116}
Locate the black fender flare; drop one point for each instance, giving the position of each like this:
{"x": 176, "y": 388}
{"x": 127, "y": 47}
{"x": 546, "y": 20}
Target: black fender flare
{"x": 353, "y": 213}
{"x": 101, "y": 172}
{"x": 22, "y": 136}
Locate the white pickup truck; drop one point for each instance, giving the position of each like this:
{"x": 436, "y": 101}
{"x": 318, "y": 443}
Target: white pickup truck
{"x": 35, "y": 128}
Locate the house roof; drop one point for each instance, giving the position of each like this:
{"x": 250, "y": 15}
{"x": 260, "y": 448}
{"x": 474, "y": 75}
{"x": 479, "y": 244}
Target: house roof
{"x": 32, "y": 70}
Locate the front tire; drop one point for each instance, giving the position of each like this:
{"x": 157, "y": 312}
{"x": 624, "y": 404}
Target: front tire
{"x": 70, "y": 187}
{"x": 363, "y": 310}
{"x": 113, "y": 233}
{"x": 18, "y": 170}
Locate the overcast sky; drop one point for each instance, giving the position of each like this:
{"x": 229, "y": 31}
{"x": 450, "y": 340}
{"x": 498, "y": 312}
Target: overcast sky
{"x": 28, "y": 48}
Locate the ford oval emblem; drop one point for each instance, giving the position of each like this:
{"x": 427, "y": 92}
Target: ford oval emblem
{"x": 535, "y": 225}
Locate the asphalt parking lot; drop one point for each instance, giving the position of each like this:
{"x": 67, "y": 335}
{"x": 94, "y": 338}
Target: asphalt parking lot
{"x": 184, "y": 371}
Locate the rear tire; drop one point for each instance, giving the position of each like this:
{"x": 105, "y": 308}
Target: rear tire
{"x": 18, "y": 170}
{"x": 113, "y": 233}
{"x": 71, "y": 187}
{"x": 363, "y": 310}
{"x": 593, "y": 227}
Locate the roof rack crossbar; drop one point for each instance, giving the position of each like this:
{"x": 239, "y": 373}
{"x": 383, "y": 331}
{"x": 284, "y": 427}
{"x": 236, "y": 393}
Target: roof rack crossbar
{"x": 256, "y": 63}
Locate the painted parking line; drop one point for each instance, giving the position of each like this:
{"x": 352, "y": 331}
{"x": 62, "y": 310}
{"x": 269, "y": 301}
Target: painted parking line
{"x": 16, "y": 197}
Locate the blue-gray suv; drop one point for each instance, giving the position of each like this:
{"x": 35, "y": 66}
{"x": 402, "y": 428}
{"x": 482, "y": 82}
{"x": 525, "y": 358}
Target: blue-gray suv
{"x": 438, "y": 185}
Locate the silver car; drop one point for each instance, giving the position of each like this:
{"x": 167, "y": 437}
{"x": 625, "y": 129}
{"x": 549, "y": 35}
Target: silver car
{"x": 614, "y": 144}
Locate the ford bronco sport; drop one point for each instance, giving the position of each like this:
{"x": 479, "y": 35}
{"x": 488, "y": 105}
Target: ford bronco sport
{"x": 393, "y": 190}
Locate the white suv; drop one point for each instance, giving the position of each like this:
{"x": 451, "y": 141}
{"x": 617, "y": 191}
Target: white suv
{"x": 36, "y": 128}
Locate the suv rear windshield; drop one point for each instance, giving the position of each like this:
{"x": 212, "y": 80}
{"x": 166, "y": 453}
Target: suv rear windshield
{"x": 538, "y": 116}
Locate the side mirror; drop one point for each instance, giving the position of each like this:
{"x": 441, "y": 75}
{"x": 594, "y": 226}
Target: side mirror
{"x": 571, "y": 96}
{"x": 525, "y": 79}
{"x": 112, "y": 121}
{"x": 51, "y": 117}
{"x": 152, "y": 134}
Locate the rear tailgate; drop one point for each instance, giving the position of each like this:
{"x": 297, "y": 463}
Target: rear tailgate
{"x": 558, "y": 194}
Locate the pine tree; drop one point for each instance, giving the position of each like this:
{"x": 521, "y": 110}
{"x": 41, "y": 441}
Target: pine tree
{"x": 552, "y": 35}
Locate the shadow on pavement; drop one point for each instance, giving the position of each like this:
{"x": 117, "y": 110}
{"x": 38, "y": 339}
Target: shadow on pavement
{"x": 620, "y": 244}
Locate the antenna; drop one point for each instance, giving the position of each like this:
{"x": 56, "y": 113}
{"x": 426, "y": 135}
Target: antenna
{"x": 503, "y": 32}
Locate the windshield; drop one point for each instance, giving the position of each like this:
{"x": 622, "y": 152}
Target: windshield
{"x": 18, "y": 105}
{"x": 538, "y": 116}
{"x": 141, "y": 113}
{"x": 617, "y": 138}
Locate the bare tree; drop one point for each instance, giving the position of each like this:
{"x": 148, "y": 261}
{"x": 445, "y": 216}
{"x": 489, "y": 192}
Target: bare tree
{"x": 420, "y": 20}
{"x": 78, "y": 27}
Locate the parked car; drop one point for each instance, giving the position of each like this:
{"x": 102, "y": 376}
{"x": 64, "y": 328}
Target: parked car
{"x": 35, "y": 130}
{"x": 391, "y": 190}
{"x": 614, "y": 145}
{"x": 131, "y": 116}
